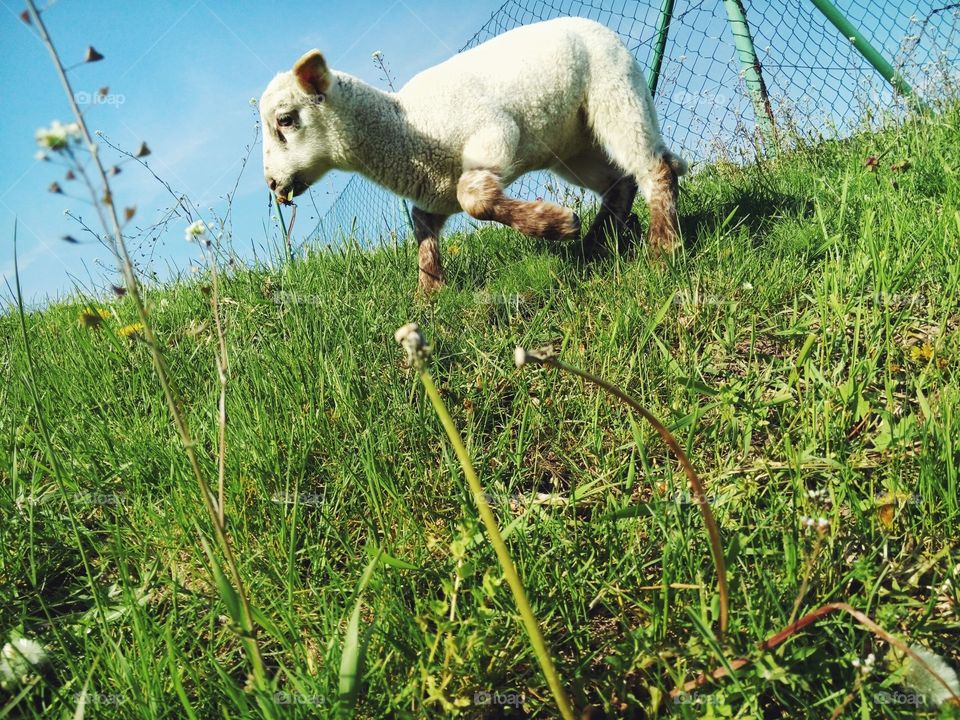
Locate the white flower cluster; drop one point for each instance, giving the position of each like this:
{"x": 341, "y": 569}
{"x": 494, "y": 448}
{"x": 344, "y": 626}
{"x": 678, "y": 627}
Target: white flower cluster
{"x": 865, "y": 666}
{"x": 820, "y": 523}
{"x": 58, "y": 135}
{"x": 820, "y": 495}
{"x": 195, "y": 230}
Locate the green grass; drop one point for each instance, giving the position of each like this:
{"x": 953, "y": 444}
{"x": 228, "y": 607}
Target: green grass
{"x": 807, "y": 338}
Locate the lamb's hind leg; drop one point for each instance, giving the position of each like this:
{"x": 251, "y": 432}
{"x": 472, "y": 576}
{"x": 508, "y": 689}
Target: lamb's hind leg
{"x": 426, "y": 230}
{"x": 480, "y": 193}
{"x": 613, "y": 218}
{"x": 621, "y": 114}
{"x": 593, "y": 170}
{"x": 661, "y": 192}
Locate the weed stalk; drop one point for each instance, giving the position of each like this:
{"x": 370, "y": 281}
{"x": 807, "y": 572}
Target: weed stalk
{"x": 410, "y": 338}
{"x": 107, "y": 214}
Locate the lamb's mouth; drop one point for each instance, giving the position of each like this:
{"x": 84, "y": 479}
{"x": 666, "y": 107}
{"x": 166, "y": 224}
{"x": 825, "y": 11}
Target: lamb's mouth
{"x": 296, "y": 188}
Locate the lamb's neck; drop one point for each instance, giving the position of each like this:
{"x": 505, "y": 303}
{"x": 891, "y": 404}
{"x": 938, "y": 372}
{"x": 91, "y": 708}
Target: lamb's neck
{"x": 378, "y": 141}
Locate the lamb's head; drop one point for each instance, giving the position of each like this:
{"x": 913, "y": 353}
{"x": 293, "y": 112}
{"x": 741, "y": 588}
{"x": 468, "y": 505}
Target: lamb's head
{"x": 300, "y": 142}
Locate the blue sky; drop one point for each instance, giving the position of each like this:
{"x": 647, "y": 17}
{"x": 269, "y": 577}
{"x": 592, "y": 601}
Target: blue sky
{"x": 181, "y": 75}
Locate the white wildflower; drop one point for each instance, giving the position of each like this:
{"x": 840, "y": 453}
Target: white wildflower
{"x": 253, "y": 102}
{"x": 195, "y": 230}
{"x": 57, "y": 136}
{"x": 18, "y": 659}
{"x": 377, "y": 54}
{"x": 822, "y": 524}
{"x": 865, "y": 666}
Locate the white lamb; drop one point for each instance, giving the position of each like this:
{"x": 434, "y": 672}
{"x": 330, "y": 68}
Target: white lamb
{"x": 564, "y": 95}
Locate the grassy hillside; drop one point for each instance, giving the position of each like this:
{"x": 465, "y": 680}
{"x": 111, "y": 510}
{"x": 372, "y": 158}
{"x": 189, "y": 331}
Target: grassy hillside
{"x": 806, "y": 340}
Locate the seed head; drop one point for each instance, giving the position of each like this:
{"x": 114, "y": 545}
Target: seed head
{"x": 412, "y": 341}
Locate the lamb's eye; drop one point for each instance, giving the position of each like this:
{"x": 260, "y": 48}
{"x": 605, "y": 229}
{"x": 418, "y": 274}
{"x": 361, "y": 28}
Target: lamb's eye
{"x": 286, "y": 120}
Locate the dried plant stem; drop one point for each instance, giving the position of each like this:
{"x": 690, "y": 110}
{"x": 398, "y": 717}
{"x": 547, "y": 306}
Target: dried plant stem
{"x": 503, "y": 554}
{"x": 808, "y": 619}
{"x": 223, "y": 370}
{"x": 713, "y": 531}
{"x": 106, "y": 210}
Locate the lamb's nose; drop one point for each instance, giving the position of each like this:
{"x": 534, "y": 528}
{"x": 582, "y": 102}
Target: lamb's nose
{"x": 272, "y": 182}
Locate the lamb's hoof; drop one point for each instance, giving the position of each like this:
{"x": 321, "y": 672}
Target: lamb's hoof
{"x": 630, "y": 233}
{"x": 428, "y": 287}
{"x": 663, "y": 246}
{"x": 569, "y": 229}
{"x": 605, "y": 239}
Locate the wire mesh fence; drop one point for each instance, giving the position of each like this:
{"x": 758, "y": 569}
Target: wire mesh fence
{"x": 817, "y": 83}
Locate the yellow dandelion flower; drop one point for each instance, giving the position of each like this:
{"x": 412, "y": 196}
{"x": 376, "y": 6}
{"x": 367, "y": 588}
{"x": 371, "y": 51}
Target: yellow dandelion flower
{"x": 453, "y": 249}
{"x": 922, "y": 353}
{"x": 131, "y": 330}
{"x": 91, "y": 317}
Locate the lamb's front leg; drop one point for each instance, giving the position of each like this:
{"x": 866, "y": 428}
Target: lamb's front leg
{"x": 480, "y": 193}
{"x": 426, "y": 229}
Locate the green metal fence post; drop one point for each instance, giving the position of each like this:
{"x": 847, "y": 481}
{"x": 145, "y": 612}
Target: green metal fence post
{"x": 866, "y": 49}
{"x": 752, "y": 73}
{"x": 660, "y": 45}
{"x": 409, "y": 216}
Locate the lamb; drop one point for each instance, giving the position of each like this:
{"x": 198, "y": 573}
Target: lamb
{"x": 564, "y": 95}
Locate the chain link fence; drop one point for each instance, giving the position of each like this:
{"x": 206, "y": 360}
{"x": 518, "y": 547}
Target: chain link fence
{"x": 817, "y": 84}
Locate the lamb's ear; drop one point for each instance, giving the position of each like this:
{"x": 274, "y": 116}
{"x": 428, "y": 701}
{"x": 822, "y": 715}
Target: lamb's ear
{"x": 312, "y": 73}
